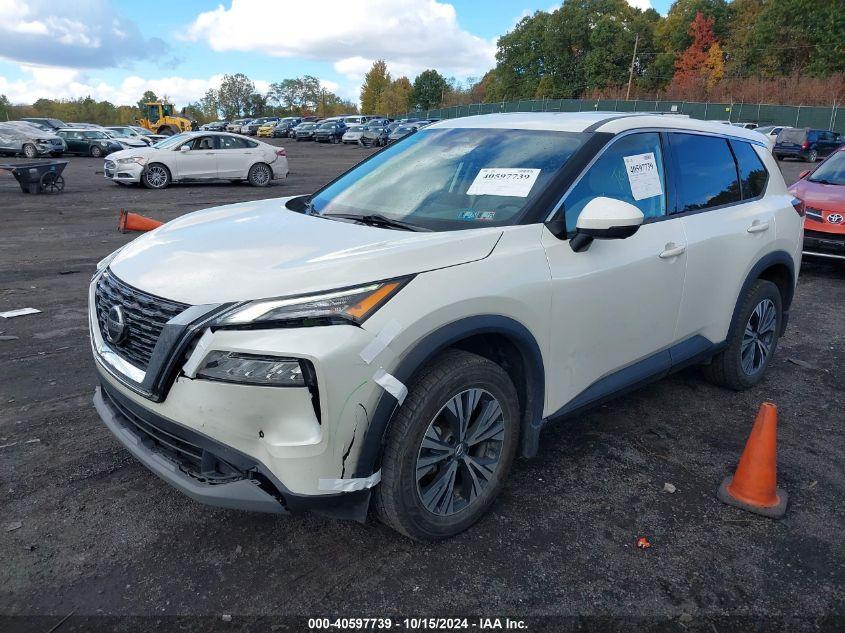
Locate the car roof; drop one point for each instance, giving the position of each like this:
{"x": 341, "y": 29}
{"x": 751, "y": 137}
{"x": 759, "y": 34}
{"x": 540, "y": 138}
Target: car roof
{"x": 612, "y": 122}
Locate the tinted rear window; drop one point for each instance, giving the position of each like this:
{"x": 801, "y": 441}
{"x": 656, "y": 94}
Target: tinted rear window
{"x": 792, "y": 135}
{"x": 752, "y": 172}
{"x": 706, "y": 172}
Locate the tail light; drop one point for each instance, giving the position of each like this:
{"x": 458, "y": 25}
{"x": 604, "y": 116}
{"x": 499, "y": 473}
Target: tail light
{"x": 281, "y": 152}
{"x": 798, "y": 205}
{"x": 805, "y": 145}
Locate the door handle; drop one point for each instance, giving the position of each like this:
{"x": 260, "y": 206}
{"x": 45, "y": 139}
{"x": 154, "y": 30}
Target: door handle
{"x": 671, "y": 250}
{"x": 758, "y": 227}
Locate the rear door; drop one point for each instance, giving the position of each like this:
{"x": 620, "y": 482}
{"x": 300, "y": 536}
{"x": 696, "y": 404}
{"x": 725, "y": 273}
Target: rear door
{"x": 234, "y": 156}
{"x": 728, "y": 225}
{"x": 614, "y": 306}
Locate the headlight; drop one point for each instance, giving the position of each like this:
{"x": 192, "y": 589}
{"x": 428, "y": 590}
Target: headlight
{"x": 133, "y": 159}
{"x": 252, "y": 369}
{"x": 352, "y": 304}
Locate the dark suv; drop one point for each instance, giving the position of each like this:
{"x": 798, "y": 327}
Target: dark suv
{"x": 806, "y": 143}
{"x": 330, "y": 132}
{"x": 94, "y": 143}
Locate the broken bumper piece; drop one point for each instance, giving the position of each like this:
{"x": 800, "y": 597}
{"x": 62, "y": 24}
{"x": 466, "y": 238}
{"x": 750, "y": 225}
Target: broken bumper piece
{"x": 208, "y": 471}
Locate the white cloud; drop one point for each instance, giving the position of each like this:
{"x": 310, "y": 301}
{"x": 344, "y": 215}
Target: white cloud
{"x": 85, "y": 34}
{"x": 411, "y": 35}
{"x": 640, "y": 4}
{"x": 68, "y": 83}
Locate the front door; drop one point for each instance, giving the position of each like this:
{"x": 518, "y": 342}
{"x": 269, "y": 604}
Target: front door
{"x": 199, "y": 162}
{"x": 615, "y": 305}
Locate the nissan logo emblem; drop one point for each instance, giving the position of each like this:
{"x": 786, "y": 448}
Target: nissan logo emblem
{"x": 835, "y": 218}
{"x": 116, "y": 329}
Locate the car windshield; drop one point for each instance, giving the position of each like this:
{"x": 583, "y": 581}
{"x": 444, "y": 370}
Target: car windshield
{"x": 355, "y": 128}
{"x": 452, "y": 179}
{"x": 403, "y": 130}
{"x": 172, "y": 141}
{"x": 326, "y": 126}
{"x": 831, "y": 171}
{"x": 307, "y": 126}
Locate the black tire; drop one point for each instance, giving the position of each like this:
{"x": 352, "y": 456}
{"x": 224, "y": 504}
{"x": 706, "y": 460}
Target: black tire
{"x": 399, "y": 497}
{"x": 727, "y": 368}
{"x": 813, "y": 156}
{"x": 29, "y": 150}
{"x": 95, "y": 151}
{"x": 156, "y": 176}
{"x": 260, "y": 175}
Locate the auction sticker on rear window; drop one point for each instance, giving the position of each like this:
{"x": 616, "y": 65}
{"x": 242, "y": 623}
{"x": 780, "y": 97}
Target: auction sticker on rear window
{"x": 501, "y": 181}
{"x": 643, "y": 176}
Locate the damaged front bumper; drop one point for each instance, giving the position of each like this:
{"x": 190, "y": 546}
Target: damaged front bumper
{"x": 245, "y": 484}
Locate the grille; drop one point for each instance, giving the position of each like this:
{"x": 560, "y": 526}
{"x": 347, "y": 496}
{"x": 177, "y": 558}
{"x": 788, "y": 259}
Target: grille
{"x": 145, "y": 317}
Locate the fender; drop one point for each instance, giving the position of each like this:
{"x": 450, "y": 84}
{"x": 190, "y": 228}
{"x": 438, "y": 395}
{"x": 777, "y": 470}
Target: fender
{"x": 770, "y": 259}
{"x": 434, "y": 343}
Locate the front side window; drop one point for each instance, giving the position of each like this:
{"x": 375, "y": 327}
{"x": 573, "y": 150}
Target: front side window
{"x": 706, "y": 172}
{"x": 452, "y": 179}
{"x": 752, "y": 174}
{"x": 619, "y": 173}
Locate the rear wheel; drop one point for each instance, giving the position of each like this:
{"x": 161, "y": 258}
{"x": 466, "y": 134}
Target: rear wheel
{"x": 260, "y": 175}
{"x": 29, "y": 150}
{"x": 813, "y": 156}
{"x": 449, "y": 447}
{"x": 156, "y": 176}
{"x": 752, "y": 344}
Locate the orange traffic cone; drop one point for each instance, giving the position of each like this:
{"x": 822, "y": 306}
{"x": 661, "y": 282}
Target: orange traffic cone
{"x": 133, "y": 222}
{"x": 754, "y": 484}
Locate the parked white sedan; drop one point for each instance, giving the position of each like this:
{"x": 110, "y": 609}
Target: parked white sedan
{"x": 198, "y": 156}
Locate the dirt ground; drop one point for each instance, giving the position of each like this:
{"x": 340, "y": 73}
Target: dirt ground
{"x": 100, "y": 535}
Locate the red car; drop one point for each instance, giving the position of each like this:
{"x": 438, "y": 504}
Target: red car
{"x": 822, "y": 191}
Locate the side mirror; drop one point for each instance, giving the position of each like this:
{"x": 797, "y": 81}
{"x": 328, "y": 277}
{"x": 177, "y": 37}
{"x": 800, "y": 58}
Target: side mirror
{"x": 605, "y": 219}
{"x": 185, "y": 148}
{"x": 804, "y": 174}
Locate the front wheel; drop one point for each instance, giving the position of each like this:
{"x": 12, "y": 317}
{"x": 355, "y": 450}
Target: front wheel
{"x": 752, "y": 343}
{"x": 29, "y": 150}
{"x": 449, "y": 447}
{"x": 156, "y": 176}
{"x": 96, "y": 152}
{"x": 260, "y": 175}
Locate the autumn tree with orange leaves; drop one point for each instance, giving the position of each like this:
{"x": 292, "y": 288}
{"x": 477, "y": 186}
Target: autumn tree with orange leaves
{"x": 701, "y": 66}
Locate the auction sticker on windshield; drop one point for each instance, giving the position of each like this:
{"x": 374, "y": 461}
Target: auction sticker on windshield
{"x": 500, "y": 181}
{"x": 643, "y": 176}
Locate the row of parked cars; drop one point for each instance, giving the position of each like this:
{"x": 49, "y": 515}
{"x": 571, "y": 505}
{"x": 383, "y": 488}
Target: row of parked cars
{"x": 366, "y": 130}
{"x": 34, "y": 137}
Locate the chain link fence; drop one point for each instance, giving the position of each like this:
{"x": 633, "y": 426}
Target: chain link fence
{"x": 826, "y": 118}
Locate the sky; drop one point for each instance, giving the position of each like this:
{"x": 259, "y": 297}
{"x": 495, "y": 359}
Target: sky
{"x": 117, "y": 49}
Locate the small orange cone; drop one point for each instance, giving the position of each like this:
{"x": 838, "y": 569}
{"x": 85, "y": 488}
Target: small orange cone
{"x": 133, "y": 222}
{"x": 754, "y": 484}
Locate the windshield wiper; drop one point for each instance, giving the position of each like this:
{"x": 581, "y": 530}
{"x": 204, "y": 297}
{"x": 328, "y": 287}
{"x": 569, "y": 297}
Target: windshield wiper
{"x": 821, "y": 181}
{"x": 376, "y": 219}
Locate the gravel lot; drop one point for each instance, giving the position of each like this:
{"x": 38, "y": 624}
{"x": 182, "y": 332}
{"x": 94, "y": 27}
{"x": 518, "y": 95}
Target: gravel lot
{"x": 101, "y": 535}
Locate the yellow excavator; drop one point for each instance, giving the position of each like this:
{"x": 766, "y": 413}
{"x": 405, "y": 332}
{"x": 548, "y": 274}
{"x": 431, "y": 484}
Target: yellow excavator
{"x": 158, "y": 117}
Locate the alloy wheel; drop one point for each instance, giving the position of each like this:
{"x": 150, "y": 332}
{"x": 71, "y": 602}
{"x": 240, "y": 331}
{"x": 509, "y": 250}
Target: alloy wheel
{"x": 758, "y": 337}
{"x": 460, "y": 452}
{"x": 156, "y": 176}
{"x": 260, "y": 175}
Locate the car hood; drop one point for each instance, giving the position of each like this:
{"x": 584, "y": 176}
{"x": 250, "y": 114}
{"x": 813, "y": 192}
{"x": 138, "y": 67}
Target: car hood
{"x": 816, "y": 194}
{"x": 260, "y": 249}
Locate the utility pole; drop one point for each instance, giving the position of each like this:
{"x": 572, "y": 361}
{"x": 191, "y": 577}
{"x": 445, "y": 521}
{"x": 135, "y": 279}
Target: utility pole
{"x": 631, "y": 72}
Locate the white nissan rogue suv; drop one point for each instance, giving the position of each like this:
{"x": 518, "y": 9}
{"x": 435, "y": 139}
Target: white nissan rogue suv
{"x": 404, "y": 332}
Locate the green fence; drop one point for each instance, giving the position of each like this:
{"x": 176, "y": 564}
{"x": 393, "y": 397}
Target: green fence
{"x": 827, "y": 118}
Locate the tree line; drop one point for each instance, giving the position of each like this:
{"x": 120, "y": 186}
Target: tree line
{"x": 701, "y": 50}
